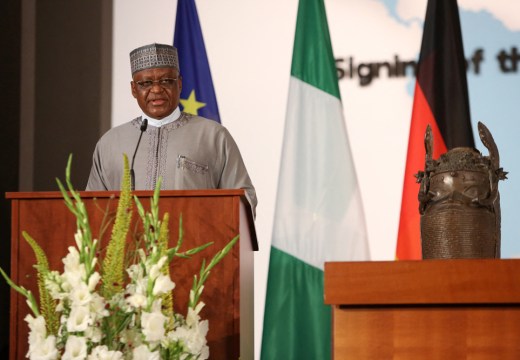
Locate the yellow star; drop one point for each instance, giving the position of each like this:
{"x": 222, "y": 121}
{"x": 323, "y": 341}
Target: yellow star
{"x": 191, "y": 105}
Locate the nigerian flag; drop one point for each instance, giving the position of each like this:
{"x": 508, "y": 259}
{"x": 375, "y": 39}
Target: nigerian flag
{"x": 318, "y": 215}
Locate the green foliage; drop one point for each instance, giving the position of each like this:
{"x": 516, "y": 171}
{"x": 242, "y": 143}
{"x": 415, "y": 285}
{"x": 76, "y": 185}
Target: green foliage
{"x": 77, "y": 207}
{"x": 113, "y": 267}
{"x": 31, "y": 301}
{"x": 167, "y": 299}
{"x": 152, "y": 249}
{"x": 47, "y": 304}
{"x": 198, "y": 282}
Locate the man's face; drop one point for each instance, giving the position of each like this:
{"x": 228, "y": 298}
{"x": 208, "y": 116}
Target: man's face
{"x": 159, "y": 98}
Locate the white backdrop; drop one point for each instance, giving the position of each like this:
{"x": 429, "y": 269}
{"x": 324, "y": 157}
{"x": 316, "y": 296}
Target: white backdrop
{"x": 249, "y": 45}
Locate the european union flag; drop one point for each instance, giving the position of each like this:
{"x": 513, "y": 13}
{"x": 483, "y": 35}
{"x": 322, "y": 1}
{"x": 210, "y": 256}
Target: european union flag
{"x": 197, "y": 96}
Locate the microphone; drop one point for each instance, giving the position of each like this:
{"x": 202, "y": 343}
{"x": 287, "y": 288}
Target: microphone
{"x": 144, "y": 125}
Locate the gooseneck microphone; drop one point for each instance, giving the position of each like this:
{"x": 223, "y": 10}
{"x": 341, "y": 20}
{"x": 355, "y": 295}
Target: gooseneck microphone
{"x": 144, "y": 125}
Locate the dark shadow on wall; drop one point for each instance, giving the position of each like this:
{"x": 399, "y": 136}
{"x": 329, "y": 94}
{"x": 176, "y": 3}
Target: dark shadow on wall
{"x": 56, "y": 92}
{"x": 10, "y": 25}
{"x": 72, "y": 80}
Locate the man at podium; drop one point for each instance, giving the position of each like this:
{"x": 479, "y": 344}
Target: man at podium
{"x": 187, "y": 151}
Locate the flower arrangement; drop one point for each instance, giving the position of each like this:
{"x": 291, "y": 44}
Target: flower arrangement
{"x": 103, "y": 308}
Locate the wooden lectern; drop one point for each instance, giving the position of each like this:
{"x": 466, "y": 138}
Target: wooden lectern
{"x": 431, "y": 309}
{"x": 208, "y": 216}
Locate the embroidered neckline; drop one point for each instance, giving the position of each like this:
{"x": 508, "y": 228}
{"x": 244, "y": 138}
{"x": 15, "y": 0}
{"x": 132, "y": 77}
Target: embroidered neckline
{"x": 181, "y": 121}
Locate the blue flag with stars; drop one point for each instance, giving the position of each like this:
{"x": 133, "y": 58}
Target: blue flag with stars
{"x": 197, "y": 95}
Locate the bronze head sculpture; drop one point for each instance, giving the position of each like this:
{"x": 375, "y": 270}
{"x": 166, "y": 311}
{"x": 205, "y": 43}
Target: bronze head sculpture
{"x": 459, "y": 201}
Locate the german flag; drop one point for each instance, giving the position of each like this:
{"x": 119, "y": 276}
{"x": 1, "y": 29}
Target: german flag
{"x": 441, "y": 100}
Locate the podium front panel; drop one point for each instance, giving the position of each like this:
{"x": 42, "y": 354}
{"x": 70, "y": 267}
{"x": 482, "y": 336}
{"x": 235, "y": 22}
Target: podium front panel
{"x": 208, "y": 216}
{"x": 442, "y": 309}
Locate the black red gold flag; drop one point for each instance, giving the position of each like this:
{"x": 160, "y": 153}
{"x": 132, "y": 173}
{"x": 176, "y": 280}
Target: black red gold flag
{"x": 440, "y": 100}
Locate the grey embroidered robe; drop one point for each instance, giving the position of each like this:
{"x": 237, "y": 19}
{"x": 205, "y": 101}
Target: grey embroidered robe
{"x": 189, "y": 153}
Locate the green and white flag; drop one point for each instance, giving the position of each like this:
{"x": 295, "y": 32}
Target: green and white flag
{"x": 319, "y": 215}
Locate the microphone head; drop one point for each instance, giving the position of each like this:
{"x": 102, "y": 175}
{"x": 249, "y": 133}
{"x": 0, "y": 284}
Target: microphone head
{"x": 144, "y": 124}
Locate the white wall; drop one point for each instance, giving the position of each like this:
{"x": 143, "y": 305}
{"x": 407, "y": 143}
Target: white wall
{"x": 249, "y": 45}
{"x": 250, "y": 56}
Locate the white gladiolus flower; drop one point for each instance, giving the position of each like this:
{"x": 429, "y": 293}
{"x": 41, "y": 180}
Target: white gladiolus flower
{"x": 37, "y": 330}
{"x": 193, "y": 338}
{"x": 134, "y": 271}
{"x": 71, "y": 261}
{"x": 80, "y": 295}
{"x": 143, "y": 353}
{"x": 94, "y": 334}
{"x": 142, "y": 255}
{"x": 192, "y": 294}
{"x": 162, "y": 261}
{"x": 93, "y": 281}
{"x": 79, "y": 319}
{"x": 102, "y": 353}
{"x": 73, "y": 277}
{"x": 29, "y": 303}
{"x": 45, "y": 350}
{"x": 78, "y": 237}
{"x": 196, "y": 340}
{"x": 157, "y": 305}
{"x": 193, "y": 317}
{"x": 52, "y": 283}
{"x": 60, "y": 307}
{"x": 65, "y": 287}
{"x": 137, "y": 300}
{"x": 36, "y": 325}
{"x": 194, "y": 334}
{"x": 153, "y": 325}
{"x": 75, "y": 349}
{"x": 130, "y": 289}
{"x": 54, "y": 290}
{"x": 155, "y": 270}
{"x": 140, "y": 286}
{"x": 162, "y": 285}
{"x": 97, "y": 305}
{"x": 199, "y": 307}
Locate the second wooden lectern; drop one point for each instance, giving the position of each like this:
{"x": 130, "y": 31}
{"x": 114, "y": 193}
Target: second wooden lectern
{"x": 208, "y": 216}
{"x": 432, "y": 309}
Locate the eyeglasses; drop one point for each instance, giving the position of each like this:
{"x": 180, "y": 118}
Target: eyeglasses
{"x": 167, "y": 83}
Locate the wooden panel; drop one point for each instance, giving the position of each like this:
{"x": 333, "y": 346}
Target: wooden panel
{"x": 423, "y": 282}
{"x": 208, "y": 216}
{"x": 432, "y": 309}
{"x": 139, "y": 193}
{"x": 426, "y": 333}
